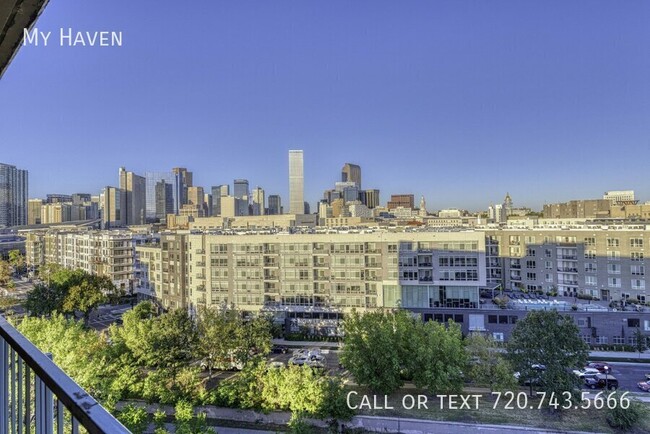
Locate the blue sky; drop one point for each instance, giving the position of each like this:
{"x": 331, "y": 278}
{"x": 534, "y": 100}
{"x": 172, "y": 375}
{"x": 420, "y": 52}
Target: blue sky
{"x": 459, "y": 101}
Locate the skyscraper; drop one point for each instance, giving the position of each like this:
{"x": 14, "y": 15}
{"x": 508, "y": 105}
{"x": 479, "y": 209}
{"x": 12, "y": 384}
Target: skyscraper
{"x": 13, "y": 196}
{"x": 296, "y": 183}
{"x": 164, "y": 198}
{"x": 112, "y": 203}
{"x": 351, "y": 173}
{"x": 259, "y": 201}
{"x": 275, "y": 204}
{"x": 241, "y": 188}
{"x": 153, "y": 178}
{"x": 182, "y": 180}
{"x": 218, "y": 192}
{"x": 135, "y": 191}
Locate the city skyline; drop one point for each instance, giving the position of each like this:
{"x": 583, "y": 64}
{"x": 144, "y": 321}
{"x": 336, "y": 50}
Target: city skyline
{"x": 476, "y": 101}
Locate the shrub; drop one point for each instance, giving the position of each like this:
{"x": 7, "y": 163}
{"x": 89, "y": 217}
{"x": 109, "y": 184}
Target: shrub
{"x": 626, "y": 419}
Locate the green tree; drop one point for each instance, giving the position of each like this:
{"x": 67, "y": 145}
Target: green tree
{"x": 189, "y": 423}
{"x": 6, "y": 281}
{"x": 486, "y": 365}
{"x": 439, "y": 358}
{"x": 45, "y": 299}
{"x": 218, "y": 336}
{"x": 134, "y": 418}
{"x": 640, "y": 341}
{"x": 17, "y": 260}
{"x": 372, "y": 351}
{"x": 84, "y": 297}
{"x": 552, "y": 340}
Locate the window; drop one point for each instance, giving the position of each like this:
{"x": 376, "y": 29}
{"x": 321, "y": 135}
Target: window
{"x": 637, "y": 270}
{"x": 591, "y": 241}
{"x": 531, "y": 276}
{"x": 498, "y": 337}
{"x": 646, "y": 325}
{"x": 548, "y": 265}
{"x": 614, "y": 282}
{"x": 531, "y": 264}
{"x": 601, "y": 340}
{"x": 636, "y": 242}
{"x": 530, "y": 252}
{"x": 633, "y": 322}
{"x": 591, "y": 280}
{"x": 549, "y": 278}
{"x": 613, "y": 268}
{"x": 618, "y": 340}
{"x": 613, "y": 255}
{"x": 637, "y": 256}
{"x": 548, "y": 253}
{"x": 530, "y": 240}
{"x": 638, "y": 284}
{"x": 492, "y": 319}
{"x": 590, "y": 267}
{"x": 586, "y": 339}
{"x": 590, "y": 254}
{"x": 613, "y": 242}
{"x": 583, "y": 322}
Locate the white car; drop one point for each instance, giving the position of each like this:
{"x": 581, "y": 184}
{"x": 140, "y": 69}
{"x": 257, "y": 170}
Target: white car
{"x": 586, "y": 372}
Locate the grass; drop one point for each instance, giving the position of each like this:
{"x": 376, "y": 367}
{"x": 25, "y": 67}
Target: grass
{"x": 590, "y": 420}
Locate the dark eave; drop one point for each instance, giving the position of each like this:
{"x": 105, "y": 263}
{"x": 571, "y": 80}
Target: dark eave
{"x": 15, "y": 16}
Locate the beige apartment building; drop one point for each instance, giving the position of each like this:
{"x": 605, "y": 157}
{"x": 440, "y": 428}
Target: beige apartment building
{"x": 338, "y": 271}
{"x": 104, "y": 253}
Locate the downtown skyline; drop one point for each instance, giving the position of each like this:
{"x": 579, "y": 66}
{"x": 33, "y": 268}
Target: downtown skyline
{"x": 459, "y": 105}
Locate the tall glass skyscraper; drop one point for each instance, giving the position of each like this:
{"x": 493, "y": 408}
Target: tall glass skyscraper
{"x": 13, "y": 196}
{"x": 296, "y": 183}
{"x": 154, "y": 178}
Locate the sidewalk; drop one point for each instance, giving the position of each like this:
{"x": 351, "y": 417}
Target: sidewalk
{"x": 614, "y": 355}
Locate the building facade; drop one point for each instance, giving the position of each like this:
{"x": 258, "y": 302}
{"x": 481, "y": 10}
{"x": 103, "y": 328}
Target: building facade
{"x": 296, "y": 182}
{"x": 13, "y": 196}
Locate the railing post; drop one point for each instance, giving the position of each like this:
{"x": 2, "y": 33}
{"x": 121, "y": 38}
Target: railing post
{"x": 4, "y": 388}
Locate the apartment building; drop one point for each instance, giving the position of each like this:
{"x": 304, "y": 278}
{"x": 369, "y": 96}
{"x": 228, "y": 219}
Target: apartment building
{"x": 333, "y": 271}
{"x": 606, "y": 262}
{"x": 104, "y": 253}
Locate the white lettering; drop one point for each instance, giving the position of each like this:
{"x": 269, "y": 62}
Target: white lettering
{"x": 79, "y": 39}
{"x": 63, "y": 36}
{"x": 410, "y": 404}
{"x": 116, "y": 39}
{"x": 32, "y": 38}
{"x": 92, "y": 37}
{"x": 365, "y": 403}
{"x": 422, "y": 402}
{"x": 348, "y": 400}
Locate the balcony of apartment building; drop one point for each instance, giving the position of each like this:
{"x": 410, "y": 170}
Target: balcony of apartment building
{"x": 566, "y": 269}
{"x": 37, "y": 396}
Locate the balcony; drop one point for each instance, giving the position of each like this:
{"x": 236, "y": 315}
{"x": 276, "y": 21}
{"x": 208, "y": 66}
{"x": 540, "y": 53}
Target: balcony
{"x": 569, "y": 257}
{"x": 567, "y": 270}
{"x": 51, "y": 392}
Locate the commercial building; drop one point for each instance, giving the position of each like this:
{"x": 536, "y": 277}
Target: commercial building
{"x": 112, "y": 205}
{"x": 134, "y": 189}
{"x": 218, "y": 192}
{"x": 351, "y": 173}
{"x": 620, "y": 197}
{"x": 13, "y": 196}
{"x": 34, "y": 211}
{"x": 589, "y": 208}
{"x": 401, "y": 200}
{"x": 182, "y": 180}
{"x": 152, "y": 180}
{"x": 275, "y": 204}
{"x": 370, "y": 198}
{"x": 296, "y": 183}
{"x": 164, "y": 199}
{"x": 259, "y": 201}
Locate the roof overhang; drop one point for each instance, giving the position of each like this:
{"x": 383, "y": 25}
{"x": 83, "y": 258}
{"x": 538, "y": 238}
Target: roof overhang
{"x": 15, "y": 17}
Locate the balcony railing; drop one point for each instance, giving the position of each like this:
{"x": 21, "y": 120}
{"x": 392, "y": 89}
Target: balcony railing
{"x": 35, "y": 394}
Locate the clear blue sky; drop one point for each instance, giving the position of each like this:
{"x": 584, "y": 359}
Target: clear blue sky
{"x": 458, "y": 100}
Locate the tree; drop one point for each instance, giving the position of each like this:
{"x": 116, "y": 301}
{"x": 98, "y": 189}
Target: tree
{"x": 486, "y": 366}
{"x": 552, "y": 340}
{"x": 640, "y": 341}
{"x": 6, "y": 280}
{"x": 44, "y": 299}
{"x": 371, "y": 350}
{"x": 134, "y": 418}
{"x": 438, "y": 359}
{"x": 84, "y": 297}
{"x": 17, "y": 260}
{"x": 188, "y": 423}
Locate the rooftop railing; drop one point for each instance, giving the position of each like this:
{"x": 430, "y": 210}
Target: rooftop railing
{"x": 37, "y": 396}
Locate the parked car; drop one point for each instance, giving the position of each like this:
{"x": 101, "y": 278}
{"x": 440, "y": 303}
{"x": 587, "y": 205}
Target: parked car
{"x": 644, "y": 385}
{"x": 275, "y": 365}
{"x": 298, "y": 360}
{"x": 586, "y": 372}
{"x": 279, "y": 349}
{"x": 601, "y": 366}
{"x": 647, "y": 376}
{"x": 602, "y": 381}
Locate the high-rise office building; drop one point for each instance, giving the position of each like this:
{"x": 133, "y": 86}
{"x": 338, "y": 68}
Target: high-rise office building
{"x": 240, "y": 190}
{"x": 401, "y": 200}
{"x": 80, "y": 198}
{"x": 112, "y": 203}
{"x": 296, "y": 183}
{"x": 135, "y": 200}
{"x": 275, "y": 204}
{"x": 370, "y": 198}
{"x": 259, "y": 201}
{"x": 351, "y": 173}
{"x": 153, "y": 178}
{"x": 182, "y": 180}
{"x": 13, "y": 196}
{"x": 207, "y": 204}
{"x": 58, "y": 198}
{"x": 164, "y": 198}
{"x": 218, "y": 192}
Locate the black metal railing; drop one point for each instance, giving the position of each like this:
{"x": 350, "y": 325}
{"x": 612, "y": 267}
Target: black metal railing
{"x": 37, "y": 396}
